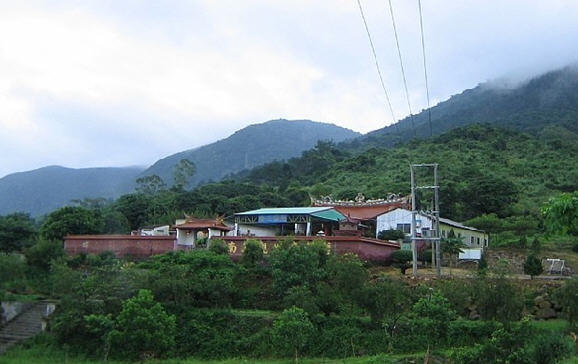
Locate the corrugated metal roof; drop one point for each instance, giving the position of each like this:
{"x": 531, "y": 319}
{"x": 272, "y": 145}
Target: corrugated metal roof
{"x": 285, "y": 211}
{"x": 330, "y": 214}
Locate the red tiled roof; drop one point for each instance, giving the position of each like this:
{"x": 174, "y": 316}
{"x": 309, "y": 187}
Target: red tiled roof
{"x": 119, "y": 237}
{"x": 366, "y": 212}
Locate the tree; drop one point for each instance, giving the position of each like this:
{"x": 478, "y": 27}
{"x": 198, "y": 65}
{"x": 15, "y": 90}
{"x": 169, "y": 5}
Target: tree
{"x": 16, "y": 231}
{"x": 296, "y": 264}
{"x": 348, "y": 274}
{"x": 149, "y": 185}
{"x": 135, "y": 208}
{"x": 533, "y": 266}
{"x": 182, "y": 172}
{"x": 486, "y": 194}
{"x": 143, "y": 328}
{"x": 536, "y": 246}
{"x": 71, "y": 220}
{"x": 561, "y": 214}
{"x": 41, "y": 254}
{"x": 453, "y": 246}
{"x": 401, "y": 259}
{"x": 292, "y": 330}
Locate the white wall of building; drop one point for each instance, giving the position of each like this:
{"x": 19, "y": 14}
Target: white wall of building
{"x": 185, "y": 239}
{"x": 391, "y": 219}
{"x": 258, "y": 230}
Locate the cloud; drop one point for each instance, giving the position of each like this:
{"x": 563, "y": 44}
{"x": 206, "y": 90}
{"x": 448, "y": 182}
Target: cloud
{"x": 103, "y": 82}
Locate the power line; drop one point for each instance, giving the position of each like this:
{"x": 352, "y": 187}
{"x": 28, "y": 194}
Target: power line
{"x": 376, "y": 62}
{"x": 425, "y": 68}
{"x": 402, "y": 68}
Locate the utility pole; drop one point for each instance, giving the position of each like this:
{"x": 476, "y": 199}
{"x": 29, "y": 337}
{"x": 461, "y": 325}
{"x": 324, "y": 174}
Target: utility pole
{"x": 435, "y": 237}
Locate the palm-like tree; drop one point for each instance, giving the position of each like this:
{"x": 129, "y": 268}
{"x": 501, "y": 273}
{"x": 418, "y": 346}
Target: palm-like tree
{"x": 453, "y": 246}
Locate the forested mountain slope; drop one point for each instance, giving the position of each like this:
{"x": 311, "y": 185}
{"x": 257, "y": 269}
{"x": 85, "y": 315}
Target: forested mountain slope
{"x": 542, "y": 102}
{"x": 250, "y": 147}
{"x": 45, "y": 189}
{"x": 483, "y": 169}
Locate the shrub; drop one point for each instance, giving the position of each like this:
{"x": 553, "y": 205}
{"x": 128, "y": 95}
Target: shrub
{"x": 252, "y": 252}
{"x": 292, "y": 331}
{"x": 401, "y": 259}
{"x": 391, "y": 234}
{"x": 551, "y": 347}
{"x": 143, "y": 328}
{"x": 41, "y": 254}
{"x": 498, "y": 299}
{"x": 218, "y": 246}
{"x": 12, "y": 268}
{"x": 568, "y": 299}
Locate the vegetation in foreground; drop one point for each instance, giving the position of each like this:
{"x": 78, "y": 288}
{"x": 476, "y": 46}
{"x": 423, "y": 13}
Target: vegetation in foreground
{"x": 298, "y": 301}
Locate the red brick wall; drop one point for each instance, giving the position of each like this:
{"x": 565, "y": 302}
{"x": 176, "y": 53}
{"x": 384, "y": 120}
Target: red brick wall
{"x": 121, "y": 245}
{"x": 365, "y": 248}
{"x": 142, "y": 246}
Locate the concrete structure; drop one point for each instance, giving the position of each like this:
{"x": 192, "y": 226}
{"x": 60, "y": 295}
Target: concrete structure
{"x": 400, "y": 219}
{"x": 161, "y": 230}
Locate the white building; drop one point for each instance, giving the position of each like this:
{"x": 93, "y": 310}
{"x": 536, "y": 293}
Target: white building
{"x": 400, "y": 219}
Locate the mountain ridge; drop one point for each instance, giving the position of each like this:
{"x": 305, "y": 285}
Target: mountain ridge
{"x": 41, "y": 190}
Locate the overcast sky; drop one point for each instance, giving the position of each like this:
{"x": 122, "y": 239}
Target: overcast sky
{"x": 125, "y": 82}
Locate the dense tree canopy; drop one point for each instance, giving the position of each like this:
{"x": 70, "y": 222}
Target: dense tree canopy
{"x": 16, "y": 232}
{"x": 71, "y": 220}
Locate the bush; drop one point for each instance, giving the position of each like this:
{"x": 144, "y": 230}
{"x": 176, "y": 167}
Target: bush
{"x": 292, "y": 331}
{"x": 391, "y": 234}
{"x": 252, "y": 252}
{"x": 41, "y": 254}
{"x": 143, "y": 328}
{"x": 12, "y": 268}
{"x": 550, "y": 348}
{"x": 498, "y": 299}
{"x": 218, "y": 246}
{"x": 568, "y": 299}
{"x": 401, "y": 259}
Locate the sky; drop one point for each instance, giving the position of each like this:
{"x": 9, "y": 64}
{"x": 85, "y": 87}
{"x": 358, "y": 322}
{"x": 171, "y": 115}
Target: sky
{"x": 97, "y": 83}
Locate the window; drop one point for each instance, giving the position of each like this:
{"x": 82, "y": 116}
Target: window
{"x": 406, "y": 228}
{"x": 471, "y": 240}
{"x": 478, "y": 241}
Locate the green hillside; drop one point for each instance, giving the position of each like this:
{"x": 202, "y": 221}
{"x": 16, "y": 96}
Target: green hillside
{"x": 251, "y": 147}
{"x": 483, "y": 169}
{"x": 43, "y": 190}
{"x": 542, "y": 102}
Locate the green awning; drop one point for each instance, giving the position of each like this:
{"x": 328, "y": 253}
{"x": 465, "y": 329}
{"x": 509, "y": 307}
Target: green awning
{"x": 330, "y": 214}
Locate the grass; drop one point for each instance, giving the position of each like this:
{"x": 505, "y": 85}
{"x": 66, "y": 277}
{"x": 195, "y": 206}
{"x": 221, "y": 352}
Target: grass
{"x": 558, "y": 325}
{"x": 47, "y": 355}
